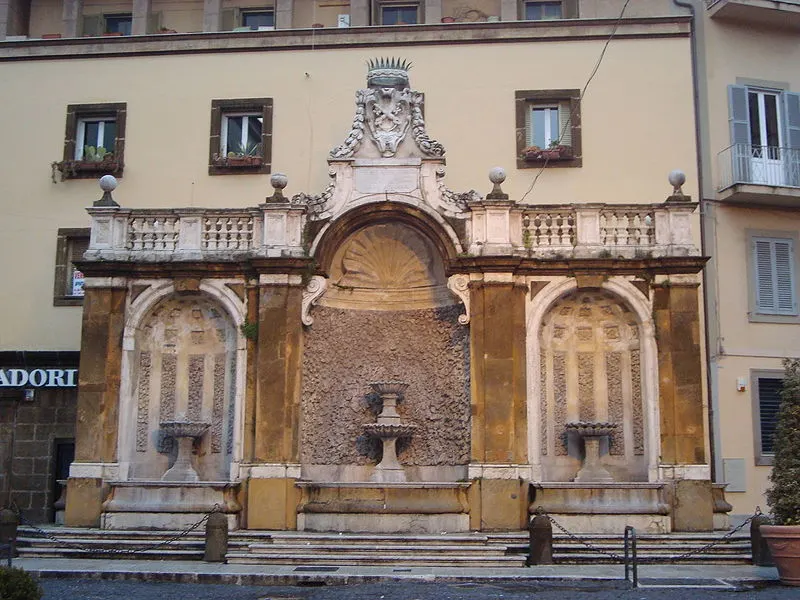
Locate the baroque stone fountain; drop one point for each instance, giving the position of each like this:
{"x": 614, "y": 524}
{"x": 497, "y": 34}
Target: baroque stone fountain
{"x": 185, "y": 433}
{"x": 389, "y": 429}
{"x": 591, "y": 433}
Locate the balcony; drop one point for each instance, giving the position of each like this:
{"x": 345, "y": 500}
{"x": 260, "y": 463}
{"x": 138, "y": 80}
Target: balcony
{"x": 759, "y": 175}
{"x": 784, "y": 14}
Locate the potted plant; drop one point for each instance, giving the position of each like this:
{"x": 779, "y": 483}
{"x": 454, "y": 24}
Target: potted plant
{"x": 783, "y": 495}
{"x": 556, "y": 151}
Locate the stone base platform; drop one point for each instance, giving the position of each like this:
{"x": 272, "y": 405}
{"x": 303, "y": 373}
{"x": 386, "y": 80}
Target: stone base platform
{"x": 168, "y": 504}
{"x": 605, "y": 507}
{"x": 413, "y": 507}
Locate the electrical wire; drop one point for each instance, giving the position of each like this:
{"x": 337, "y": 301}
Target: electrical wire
{"x": 568, "y": 122}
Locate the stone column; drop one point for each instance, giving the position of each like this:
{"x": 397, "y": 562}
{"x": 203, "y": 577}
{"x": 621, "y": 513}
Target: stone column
{"x": 509, "y": 10}
{"x": 359, "y": 13}
{"x": 499, "y": 411}
{"x": 433, "y": 11}
{"x": 271, "y": 501}
{"x": 211, "y": 15}
{"x": 98, "y": 399}
{"x": 677, "y": 321}
{"x": 72, "y": 15}
{"x": 283, "y": 14}
{"x": 141, "y": 14}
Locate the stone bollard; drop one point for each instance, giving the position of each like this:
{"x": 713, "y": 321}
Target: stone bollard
{"x": 758, "y": 545}
{"x": 216, "y": 538}
{"x": 541, "y": 550}
{"x": 9, "y": 522}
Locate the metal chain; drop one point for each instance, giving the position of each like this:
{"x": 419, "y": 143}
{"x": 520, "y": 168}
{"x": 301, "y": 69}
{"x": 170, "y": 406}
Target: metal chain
{"x": 706, "y": 548}
{"x": 719, "y": 541}
{"x": 572, "y": 536}
{"x": 117, "y": 551}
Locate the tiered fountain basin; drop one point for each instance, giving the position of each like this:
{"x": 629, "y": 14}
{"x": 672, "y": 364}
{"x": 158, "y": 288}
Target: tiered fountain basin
{"x": 414, "y": 507}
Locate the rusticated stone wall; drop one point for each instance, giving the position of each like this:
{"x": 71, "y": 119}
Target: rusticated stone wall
{"x": 346, "y": 349}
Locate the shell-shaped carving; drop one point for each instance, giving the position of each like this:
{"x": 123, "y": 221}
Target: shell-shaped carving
{"x": 386, "y": 257}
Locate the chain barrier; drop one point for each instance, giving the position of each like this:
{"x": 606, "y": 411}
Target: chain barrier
{"x": 119, "y": 551}
{"x": 722, "y": 540}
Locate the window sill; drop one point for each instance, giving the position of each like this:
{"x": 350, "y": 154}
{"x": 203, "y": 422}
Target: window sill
{"x": 764, "y": 461}
{"x": 79, "y": 169}
{"x": 68, "y": 301}
{"x": 767, "y": 318}
{"x": 536, "y": 160}
{"x": 247, "y": 165}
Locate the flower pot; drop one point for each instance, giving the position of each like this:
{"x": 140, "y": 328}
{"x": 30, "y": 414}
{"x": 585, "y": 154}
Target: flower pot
{"x": 784, "y": 544}
{"x": 51, "y": 36}
{"x": 448, "y": 20}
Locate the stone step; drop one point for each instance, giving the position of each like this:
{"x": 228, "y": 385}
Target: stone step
{"x": 350, "y": 559}
{"x": 389, "y": 549}
{"x": 62, "y": 552}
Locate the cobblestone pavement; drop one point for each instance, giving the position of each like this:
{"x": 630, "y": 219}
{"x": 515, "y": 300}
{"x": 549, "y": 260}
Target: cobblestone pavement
{"x": 76, "y": 589}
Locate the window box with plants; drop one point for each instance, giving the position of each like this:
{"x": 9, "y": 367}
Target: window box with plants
{"x": 93, "y": 162}
{"x": 783, "y": 495}
{"x": 554, "y": 151}
{"x": 241, "y": 158}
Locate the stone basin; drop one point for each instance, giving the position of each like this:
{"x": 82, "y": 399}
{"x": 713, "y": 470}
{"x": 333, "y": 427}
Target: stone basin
{"x": 389, "y": 387}
{"x": 591, "y": 428}
{"x": 389, "y": 430}
{"x": 184, "y": 429}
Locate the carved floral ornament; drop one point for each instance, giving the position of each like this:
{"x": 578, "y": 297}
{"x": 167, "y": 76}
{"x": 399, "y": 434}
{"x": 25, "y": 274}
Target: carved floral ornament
{"x": 385, "y": 111}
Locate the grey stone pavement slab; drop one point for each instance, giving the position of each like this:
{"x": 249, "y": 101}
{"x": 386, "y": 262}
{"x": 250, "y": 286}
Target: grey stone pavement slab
{"x": 201, "y": 572}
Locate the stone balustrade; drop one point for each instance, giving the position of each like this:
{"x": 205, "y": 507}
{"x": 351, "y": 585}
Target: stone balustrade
{"x": 583, "y": 230}
{"x": 158, "y": 235}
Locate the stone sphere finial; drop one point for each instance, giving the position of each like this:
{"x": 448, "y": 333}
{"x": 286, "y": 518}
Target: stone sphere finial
{"x": 108, "y": 183}
{"x": 497, "y": 175}
{"x": 279, "y": 181}
{"x": 676, "y": 179}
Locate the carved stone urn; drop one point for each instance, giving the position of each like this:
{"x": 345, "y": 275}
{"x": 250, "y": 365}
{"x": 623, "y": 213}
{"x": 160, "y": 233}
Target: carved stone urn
{"x": 389, "y": 429}
{"x": 591, "y": 433}
{"x": 184, "y": 433}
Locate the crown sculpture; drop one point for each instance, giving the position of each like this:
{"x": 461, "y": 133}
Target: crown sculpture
{"x": 385, "y": 111}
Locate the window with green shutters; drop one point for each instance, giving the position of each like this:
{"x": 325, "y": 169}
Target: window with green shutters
{"x": 773, "y": 266}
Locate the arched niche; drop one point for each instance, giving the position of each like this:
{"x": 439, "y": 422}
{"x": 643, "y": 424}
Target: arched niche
{"x": 183, "y": 366}
{"x": 591, "y": 369}
{"x": 386, "y": 315}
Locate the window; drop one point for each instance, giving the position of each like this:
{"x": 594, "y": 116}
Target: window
{"x": 258, "y": 19}
{"x": 120, "y": 23}
{"x": 765, "y": 135}
{"x": 94, "y": 141}
{"x": 548, "y": 128}
{"x": 108, "y": 24}
{"x": 70, "y": 247}
{"x": 766, "y": 386}
{"x": 773, "y": 266}
{"x": 547, "y": 10}
{"x": 241, "y": 136}
{"x": 542, "y": 11}
{"x": 386, "y": 12}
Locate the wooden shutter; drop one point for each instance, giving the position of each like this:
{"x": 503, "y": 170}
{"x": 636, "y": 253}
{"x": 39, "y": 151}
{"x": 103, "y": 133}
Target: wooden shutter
{"x": 791, "y": 108}
{"x": 229, "y": 19}
{"x": 93, "y": 25}
{"x": 153, "y": 22}
{"x": 773, "y": 261}
{"x": 769, "y": 401}
{"x": 569, "y": 9}
{"x": 738, "y": 115}
{"x": 564, "y": 123}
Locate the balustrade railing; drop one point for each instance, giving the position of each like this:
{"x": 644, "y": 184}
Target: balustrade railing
{"x": 227, "y": 232}
{"x": 759, "y": 165}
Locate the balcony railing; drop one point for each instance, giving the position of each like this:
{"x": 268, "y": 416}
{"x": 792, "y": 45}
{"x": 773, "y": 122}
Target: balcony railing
{"x": 759, "y": 165}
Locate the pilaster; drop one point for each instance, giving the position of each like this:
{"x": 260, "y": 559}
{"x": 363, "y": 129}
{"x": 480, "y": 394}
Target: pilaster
{"x": 359, "y": 13}
{"x": 433, "y": 11}
{"x": 677, "y": 320}
{"x": 98, "y": 395}
{"x": 211, "y": 15}
{"x": 283, "y": 14}
{"x": 71, "y": 15}
{"x": 141, "y": 14}
{"x": 498, "y": 385}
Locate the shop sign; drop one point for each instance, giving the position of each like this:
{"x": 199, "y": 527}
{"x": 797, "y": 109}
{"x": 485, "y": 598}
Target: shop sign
{"x": 37, "y": 378}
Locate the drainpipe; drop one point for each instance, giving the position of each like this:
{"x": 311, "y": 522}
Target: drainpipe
{"x": 707, "y": 236}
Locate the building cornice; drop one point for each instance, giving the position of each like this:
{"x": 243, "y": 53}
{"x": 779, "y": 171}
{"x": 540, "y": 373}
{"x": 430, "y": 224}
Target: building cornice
{"x": 352, "y": 37}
